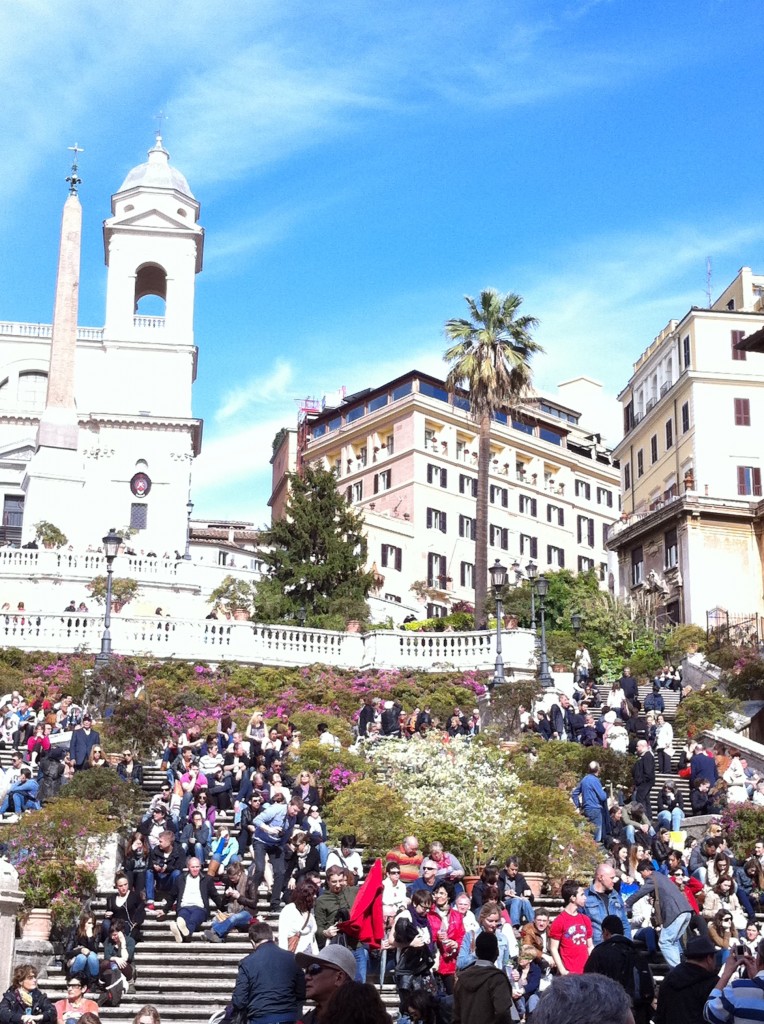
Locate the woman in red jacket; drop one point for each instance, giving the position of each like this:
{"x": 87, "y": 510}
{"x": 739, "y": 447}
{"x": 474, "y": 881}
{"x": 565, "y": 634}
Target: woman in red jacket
{"x": 450, "y": 934}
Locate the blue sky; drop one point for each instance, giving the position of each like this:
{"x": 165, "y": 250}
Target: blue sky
{"x": 362, "y": 166}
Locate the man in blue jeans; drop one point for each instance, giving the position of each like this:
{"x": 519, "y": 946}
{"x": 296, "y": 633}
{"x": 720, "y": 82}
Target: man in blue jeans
{"x": 166, "y": 861}
{"x": 240, "y": 903}
{"x": 672, "y": 909}
{"x": 23, "y": 794}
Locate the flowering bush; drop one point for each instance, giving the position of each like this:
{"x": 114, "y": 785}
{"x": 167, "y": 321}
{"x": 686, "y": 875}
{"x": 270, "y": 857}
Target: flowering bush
{"x": 340, "y": 777}
{"x": 48, "y": 849}
{"x": 743, "y": 825}
{"x": 460, "y": 782}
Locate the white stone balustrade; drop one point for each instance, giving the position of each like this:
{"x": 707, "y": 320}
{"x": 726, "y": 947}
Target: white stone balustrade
{"x": 255, "y": 643}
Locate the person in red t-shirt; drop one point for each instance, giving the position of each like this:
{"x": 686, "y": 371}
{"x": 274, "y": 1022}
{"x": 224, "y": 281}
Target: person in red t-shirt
{"x": 570, "y": 935}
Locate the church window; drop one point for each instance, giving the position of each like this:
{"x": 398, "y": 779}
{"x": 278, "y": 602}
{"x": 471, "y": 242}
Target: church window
{"x": 32, "y": 389}
{"x": 139, "y": 516}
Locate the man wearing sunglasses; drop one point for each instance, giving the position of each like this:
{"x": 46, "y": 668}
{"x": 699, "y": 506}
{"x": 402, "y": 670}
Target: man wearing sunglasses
{"x": 325, "y": 972}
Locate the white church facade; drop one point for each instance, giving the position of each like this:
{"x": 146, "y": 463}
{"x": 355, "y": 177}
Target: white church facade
{"x": 96, "y": 424}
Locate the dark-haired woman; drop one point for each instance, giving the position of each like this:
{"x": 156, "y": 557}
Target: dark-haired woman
{"x": 450, "y": 934}
{"x": 488, "y": 876}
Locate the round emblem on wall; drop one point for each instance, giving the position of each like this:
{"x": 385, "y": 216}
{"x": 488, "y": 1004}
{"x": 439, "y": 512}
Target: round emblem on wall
{"x": 140, "y": 485}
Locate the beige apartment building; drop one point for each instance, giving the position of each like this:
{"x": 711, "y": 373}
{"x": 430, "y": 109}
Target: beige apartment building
{"x": 405, "y": 454}
{"x": 688, "y": 541}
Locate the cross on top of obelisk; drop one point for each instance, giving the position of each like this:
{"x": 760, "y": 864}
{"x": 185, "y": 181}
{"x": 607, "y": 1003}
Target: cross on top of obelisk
{"x": 74, "y": 179}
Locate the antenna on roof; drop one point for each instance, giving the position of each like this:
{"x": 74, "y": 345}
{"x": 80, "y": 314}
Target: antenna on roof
{"x": 708, "y": 280}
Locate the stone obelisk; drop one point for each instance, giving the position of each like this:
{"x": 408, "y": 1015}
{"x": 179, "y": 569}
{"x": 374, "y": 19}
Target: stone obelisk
{"x": 54, "y": 479}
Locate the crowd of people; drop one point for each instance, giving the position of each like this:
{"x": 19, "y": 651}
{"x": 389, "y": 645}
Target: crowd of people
{"x": 231, "y": 823}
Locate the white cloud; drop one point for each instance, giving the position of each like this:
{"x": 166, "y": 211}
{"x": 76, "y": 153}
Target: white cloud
{"x": 257, "y": 391}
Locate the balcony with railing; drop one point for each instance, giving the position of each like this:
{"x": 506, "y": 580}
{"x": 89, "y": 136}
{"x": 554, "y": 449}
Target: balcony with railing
{"x": 255, "y": 643}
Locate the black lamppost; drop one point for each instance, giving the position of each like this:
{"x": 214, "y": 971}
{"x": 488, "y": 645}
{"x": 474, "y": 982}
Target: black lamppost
{"x": 531, "y": 570}
{"x": 189, "y": 510}
{"x": 301, "y": 615}
{"x": 542, "y": 589}
{"x": 498, "y": 575}
{"x": 111, "y": 545}
{"x": 575, "y": 621}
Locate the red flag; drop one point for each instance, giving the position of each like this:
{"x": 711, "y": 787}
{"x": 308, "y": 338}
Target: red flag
{"x": 366, "y": 923}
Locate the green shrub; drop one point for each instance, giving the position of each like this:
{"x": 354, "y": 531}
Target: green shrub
{"x": 554, "y": 840}
{"x": 136, "y": 723}
{"x": 374, "y": 812}
{"x": 555, "y": 763}
{"x": 746, "y": 680}
{"x": 683, "y": 640}
{"x": 704, "y": 709}
{"x": 103, "y": 789}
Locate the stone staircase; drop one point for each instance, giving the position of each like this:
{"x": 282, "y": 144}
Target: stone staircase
{"x": 188, "y": 983}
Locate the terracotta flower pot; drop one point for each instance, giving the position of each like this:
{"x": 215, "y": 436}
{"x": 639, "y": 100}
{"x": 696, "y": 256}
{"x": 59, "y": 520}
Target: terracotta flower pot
{"x": 469, "y": 882}
{"x": 38, "y": 924}
{"x": 535, "y": 880}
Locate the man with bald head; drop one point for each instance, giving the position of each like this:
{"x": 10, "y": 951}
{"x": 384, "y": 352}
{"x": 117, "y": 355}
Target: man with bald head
{"x": 408, "y": 858}
{"x": 195, "y": 891}
{"x": 602, "y": 900}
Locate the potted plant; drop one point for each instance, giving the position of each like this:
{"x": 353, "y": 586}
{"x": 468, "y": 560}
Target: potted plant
{"x": 49, "y": 535}
{"x": 123, "y": 590}
{"x": 49, "y": 851}
{"x": 235, "y": 596}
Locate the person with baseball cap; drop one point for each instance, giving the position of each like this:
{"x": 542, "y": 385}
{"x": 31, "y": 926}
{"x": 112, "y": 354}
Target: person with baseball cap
{"x": 325, "y": 972}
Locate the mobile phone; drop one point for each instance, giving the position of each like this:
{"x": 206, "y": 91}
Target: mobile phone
{"x": 740, "y": 950}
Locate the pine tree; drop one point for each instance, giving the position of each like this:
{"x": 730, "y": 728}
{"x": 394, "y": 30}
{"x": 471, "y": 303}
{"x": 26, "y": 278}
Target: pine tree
{"x": 315, "y": 556}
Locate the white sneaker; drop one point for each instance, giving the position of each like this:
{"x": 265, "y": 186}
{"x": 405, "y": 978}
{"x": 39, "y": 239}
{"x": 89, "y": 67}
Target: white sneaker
{"x": 175, "y": 930}
{"x": 182, "y": 926}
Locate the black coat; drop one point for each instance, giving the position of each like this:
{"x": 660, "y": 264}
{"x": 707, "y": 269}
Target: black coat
{"x": 12, "y": 1010}
{"x": 683, "y": 994}
{"x": 643, "y": 773}
{"x": 207, "y": 891}
{"x": 132, "y": 910}
{"x": 136, "y": 777}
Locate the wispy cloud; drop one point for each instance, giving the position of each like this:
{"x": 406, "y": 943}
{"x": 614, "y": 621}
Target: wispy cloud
{"x": 257, "y": 391}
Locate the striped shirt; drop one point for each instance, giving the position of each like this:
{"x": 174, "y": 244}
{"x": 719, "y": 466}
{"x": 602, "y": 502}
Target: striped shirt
{"x": 741, "y": 1002}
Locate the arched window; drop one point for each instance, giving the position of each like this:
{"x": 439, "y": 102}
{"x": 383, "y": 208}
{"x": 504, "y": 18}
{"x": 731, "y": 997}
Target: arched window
{"x": 32, "y": 389}
{"x": 150, "y": 290}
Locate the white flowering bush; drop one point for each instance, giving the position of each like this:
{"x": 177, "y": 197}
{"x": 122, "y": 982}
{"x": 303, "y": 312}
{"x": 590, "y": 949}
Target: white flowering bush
{"x": 457, "y": 781}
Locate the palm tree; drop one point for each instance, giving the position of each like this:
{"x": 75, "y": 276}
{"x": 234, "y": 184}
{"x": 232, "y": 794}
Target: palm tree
{"x": 491, "y": 359}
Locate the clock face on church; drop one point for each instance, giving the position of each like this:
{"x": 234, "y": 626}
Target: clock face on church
{"x": 140, "y": 485}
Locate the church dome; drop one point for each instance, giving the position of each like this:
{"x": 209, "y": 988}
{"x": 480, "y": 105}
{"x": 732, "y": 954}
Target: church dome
{"x": 157, "y": 173}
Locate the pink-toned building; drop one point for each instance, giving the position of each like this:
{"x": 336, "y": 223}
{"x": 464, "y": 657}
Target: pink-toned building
{"x": 405, "y": 454}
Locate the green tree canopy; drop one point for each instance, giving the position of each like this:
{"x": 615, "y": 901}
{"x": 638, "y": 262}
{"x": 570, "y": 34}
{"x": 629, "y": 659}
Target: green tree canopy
{"x": 490, "y": 357}
{"x": 315, "y": 556}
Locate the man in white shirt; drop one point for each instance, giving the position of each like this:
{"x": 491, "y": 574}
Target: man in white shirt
{"x": 195, "y": 891}
{"x": 326, "y": 738}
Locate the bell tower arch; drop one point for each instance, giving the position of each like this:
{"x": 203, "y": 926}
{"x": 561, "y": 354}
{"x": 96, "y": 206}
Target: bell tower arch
{"x": 153, "y": 246}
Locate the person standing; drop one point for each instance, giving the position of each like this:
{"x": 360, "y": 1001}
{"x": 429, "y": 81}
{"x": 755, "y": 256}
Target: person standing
{"x": 269, "y": 984}
{"x": 685, "y": 989}
{"x": 571, "y": 932}
{"x": 483, "y": 992}
{"x": 643, "y": 774}
{"x": 602, "y": 900}
{"x": 83, "y": 741}
{"x": 590, "y": 798}
{"x": 672, "y": 910}
{"x": 618, "y": 958}
{"x": 325, "y": 972}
